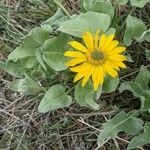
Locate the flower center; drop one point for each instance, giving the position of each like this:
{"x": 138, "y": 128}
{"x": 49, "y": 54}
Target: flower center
{"x": 97, "y": 55}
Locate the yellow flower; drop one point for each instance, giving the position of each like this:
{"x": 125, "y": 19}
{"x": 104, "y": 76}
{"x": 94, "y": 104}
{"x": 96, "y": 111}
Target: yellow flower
{"x": 98, "y": 57}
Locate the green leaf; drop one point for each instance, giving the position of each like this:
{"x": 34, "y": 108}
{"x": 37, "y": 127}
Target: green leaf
{"x": 138, "y": 91}
{"x": 145, "y": 36}
{"x": 38, "y": 55}
{"x": 121, "y": 122}
{"x": 142, "y": 139}
{"x": 110, "y": 31}
{"x": 54, "y": 98}
{"x": 39, "y": 35}
{"x": 148, "y": 54}
{"x": 36, "y": 38}
{"x": 129, "y": 59}
{"x": 30, "y": 52}
{"x": 85, "y": 96}
{"x": 20, "y": 52}
{"x": 122, "y": 2}
{"x": 104, "y": 7}
{"x": 110, "y": 84}
{"x": 100, "y": 6}
{"x": 54, "y": 52}
{"x": 139, "y": 3}
{"x": 29, "y": 62}
{"x": 139, "y": 88}
{"x": 88, "y": 4}
{"x": 13, "y": 68}
{"x": 90, "y": 21}
{"x": 26, "y": 85}
{"x": 54, "y": 22}
{"x": 134, "y": 30}
{"x": 143, "y": 78}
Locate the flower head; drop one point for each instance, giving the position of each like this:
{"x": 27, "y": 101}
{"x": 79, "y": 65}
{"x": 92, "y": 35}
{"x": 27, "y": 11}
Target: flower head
{"x": 100, "y": 55}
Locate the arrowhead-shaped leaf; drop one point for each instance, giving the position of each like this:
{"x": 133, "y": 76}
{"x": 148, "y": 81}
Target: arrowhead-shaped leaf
{"x": 139, "y": 3}
{"x": 26, "y": 85}
{"x": 134, "y": 29}
{"x": 143, "y": 78}
{"x": 31, "y": 48}
{"x": 110, "y": 84}
{"x": 21, "y": 52}
{"x": 13, "y": 68}
{"x": 142, "y": 139}
{"x": 121, "y": 122}
{"x": 139, "y": 88}
{"x": 104, "y": 7}
{"x": 122, "y": 2}
{"x": 138, "y": 91}
{"x": 90, "y": 21}
{"x": 55, "y": 21}
{"x": 54, "y": 52}
{"x": 85, "y": 96}
{"x": 54, "y": 98}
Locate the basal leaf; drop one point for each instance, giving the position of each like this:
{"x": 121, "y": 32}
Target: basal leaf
{"x": 90, "y": 21}
{"x": 145, "y": 36}
{"x": 88, "y": 4}
{"x": 122, "y": 2}
{"x": 36, "y": 38}
{"x": 134, "y": 29}
{"x": 121, "y": 122}
{"x": 143, "y": 78}
{"x": 21, "y": 52}
{"x": 100, "y": 6}
{"x": 54, "y": 98}
{"x": 138, "y": 91}
{"x": 110, "y": 31}
{"x": 54, "y": 22}
{"x": 55, "y": 60}
{"x": 26, "y": 85}
{"x": 110, "y": 84}
{"x": 29, "y": 62}
{"x": 139, "y": 3}
{"x": 39, "y": 35}
{"x": 139, "y": 88}
{"x": 142, "y": 139}
{"x": 38, "y": 55}
{"x": 32, "y": 48}
{"x": 104, "y": 7}
{"x": 54, "y": 52}
{"x": 85, "y": 96}
{"x": 13, "y": 68}
{"x": 147, "y": 51}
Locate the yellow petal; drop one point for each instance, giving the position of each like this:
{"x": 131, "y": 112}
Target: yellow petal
{"x": 78, "y": 46}
{"x": 102, "y": 41}
{"x": 119, "y": 64}
{"x": 78, "y": 76}
{"x": 84, "y": 70}
{"x": 111, "y": 46}
{"x": 96, "y": 38}
{"x": 115, "y": 67}
{"x": 97, "y": 77}
{"x": 75, "y": 61}
{"x": 108, "y": 41}
{"x": 80, "y": 68}
{"x": 117, "y": 57}
{"x": 118, "y": 50}
{"x": 110, "y": 70}
{"x": 87, "y": 76}
{"x": 88, "y": 40}
{"x": 74, "y": 54}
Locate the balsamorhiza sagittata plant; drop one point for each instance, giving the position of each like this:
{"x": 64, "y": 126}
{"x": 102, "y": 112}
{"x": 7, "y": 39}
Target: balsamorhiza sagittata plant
{"x": 100, "y": 55}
